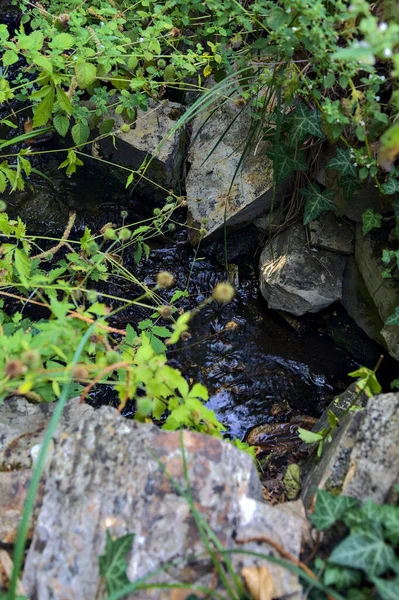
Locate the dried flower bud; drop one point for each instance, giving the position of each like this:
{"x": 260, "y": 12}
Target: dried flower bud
{"x": 165, "y": 311}
{"x": 15, "y": 368}
{"x": 223, "y": 292}
{"x": 184, "y": 336}
{"x": 80, "y": 373}
{"x": 165, "y": 279}
{"x": 31, "y": 358}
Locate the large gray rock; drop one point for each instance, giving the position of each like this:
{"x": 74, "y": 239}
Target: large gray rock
{"x": 219, "y": 185}
{"x": 120, "y": 475}
{"x": 330, "y": 233}
{"x": 151, "y": 139}
{"x": 22, "y": 427}
{"x": 363, "y": 458}
{"x": 359, "y": 304}
{"x": 295, "y": 278}
{"x": 384, "y": 292}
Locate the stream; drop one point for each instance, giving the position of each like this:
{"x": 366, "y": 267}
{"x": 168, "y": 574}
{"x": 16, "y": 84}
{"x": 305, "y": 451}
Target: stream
{"x": 258, "y": 367}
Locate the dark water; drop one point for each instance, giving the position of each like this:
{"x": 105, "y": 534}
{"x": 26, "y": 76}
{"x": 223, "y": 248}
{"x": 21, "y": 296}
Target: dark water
{"x": 250, "y": 358}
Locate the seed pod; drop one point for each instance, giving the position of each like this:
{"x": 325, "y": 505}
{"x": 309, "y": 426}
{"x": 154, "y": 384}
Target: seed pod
{"x": 165, "y": 279}
{"x": 223, "y": 293}
{"x": 80, "y": 373}
{"x": 169, "y": 73}
{"x": 31, "y": 358}
{"x": 124, "y": 235}
{"x": 15, "y": 368}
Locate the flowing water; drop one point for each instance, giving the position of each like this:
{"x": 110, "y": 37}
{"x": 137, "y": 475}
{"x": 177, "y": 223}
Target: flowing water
{"x": 254, "y": 363}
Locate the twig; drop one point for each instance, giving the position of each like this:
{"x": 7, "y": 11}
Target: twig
{"x": 63, "y": 240}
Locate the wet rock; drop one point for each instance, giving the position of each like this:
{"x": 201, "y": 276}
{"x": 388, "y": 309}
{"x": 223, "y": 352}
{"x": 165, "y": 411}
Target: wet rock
{"x": 295, "y": 278}
{"x": 383, "y": 292}
{"x": 270, "y": 436}
{"x": 219, "y": 186}
{"x": 330, "y": 233}
{"x": 150, "y": 138}
{"x": 363, "y": 458}
{"x": 43, "y": 210}
{"x": 110, "y": 473}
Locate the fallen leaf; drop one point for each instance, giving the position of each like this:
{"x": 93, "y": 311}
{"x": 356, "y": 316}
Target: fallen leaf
{"x": 259, "y": 582}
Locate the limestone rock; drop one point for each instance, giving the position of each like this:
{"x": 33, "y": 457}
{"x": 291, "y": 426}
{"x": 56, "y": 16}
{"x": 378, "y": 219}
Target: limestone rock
{"x": 363, "y": 458}
{"x": 108, "y": 472}
{"x": 330, "y": 233}
{"x": 13, "y": 491}
{"x": 384, "y": 292}
{"x": 214, "y": 187}
{"x": 150, "y": 138}
{"x": 295, "y": 278}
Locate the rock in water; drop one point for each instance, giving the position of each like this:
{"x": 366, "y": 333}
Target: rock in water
{"x": 220, "y": 185}
{"x": 295, "y": 278}
{"x": 152, "y": 138}
{"x": 111, "y": 473}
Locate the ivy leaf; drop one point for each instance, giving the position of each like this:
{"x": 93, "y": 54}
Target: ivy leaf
{"x": 317, "y": 201}
{"x": 390, "y": 187}
{"x": 340, "y": 577}
{"x": 330, "y": 509}
{"x": 371, "y": 220}
{"x": 388, "y": 590}
{"x": 80, "y": 132}
{"x": 113, "y": 563}
{"x": 393, "y": 319}
{"x": 390, "y": 521}
{"x": 342, "y": 162}
{"x": 349, "y": 185}
{"x": 286, "y": 161}
{"x": 304, "y": 122}
{"x": 85, "y": 74}
{"x": 61, "y": 124}
{"x": 43, "y": 110}
{"x": 366, "y": 552}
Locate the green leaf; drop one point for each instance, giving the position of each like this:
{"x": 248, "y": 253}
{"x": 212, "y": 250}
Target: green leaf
{"x": 33, "y": 41}
{"x": 390, "y": 521}
{"x": 393, "y": 319}
{"x": 85, "y": 74}
{"x": 62, "y": 41}
{"x": 391, "y": 186}
{"x": 371, "y": 220}
{"x": 22, "y": 265}
{"x": 388, "y": 590}
{"x": 43, "y": 62}
{"x": 178, "y": 294}
{"x": 113, "y": 563}
{"x": 309, "y": 437}
{"x": 349, "y": 185}
{"x": 317, "y": 201}
{"x": 292, "y": 481}
{"x": 43, "y": 111}
{"x": 61, "y": 124}
{"x": 80, "y": 132}
{"x": 341, "y": 577}
{"x": 63, "y": 100}
{"x": 364, "y": 551}
{"x": 343, "y": 163}
{"x": 9, "y": 58}
{"x": 304, "y": 122}
{"x": 161, "y": 331}
{"x": 330, "y": 509}
{"x": 286, "y": 161}
{"x": 107, "y": 126}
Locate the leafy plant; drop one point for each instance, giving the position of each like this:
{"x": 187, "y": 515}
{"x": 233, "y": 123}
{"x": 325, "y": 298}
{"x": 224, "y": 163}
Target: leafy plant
{"x": 367, "y": 558}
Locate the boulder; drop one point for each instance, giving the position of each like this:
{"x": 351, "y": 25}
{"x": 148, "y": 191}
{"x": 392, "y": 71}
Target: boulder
{"x": 109, "y": 473}
{"x": 297, "y": 279}
{"x": 359, "y": 304}
{"x": 22, "y": 427}
{"x": 220, "y": 185}
{"x": 331, "y": 233}
{"x": 151, "y": 140}
{"x": 363, "y": 458}
{"x": 383, "y": 292}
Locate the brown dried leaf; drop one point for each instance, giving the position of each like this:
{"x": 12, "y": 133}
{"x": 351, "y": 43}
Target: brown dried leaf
{"x": 259, "y": 582}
